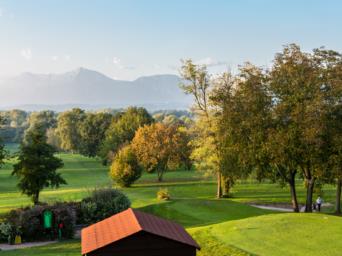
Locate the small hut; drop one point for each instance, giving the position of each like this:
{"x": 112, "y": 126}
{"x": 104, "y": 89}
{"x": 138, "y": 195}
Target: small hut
{"x": 135, "y": 233}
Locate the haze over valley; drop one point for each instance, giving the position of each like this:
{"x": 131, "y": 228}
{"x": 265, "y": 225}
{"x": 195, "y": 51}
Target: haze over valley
{"x": 90, "y": 89}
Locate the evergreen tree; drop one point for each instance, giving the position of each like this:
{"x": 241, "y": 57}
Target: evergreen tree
{"x": 37, "y": 165}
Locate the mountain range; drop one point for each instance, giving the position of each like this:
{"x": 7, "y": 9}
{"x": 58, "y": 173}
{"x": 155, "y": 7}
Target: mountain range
{"x": 90, "y": 89}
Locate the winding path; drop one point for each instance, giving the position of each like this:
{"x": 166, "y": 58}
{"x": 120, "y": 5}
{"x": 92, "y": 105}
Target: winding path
{"x": 282, "y": 209}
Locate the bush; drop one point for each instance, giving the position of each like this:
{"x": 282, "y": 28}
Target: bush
{"x": 163, "y": 194}
{"x": 102, "y": 204}
{"x": 66, "y": 214}
{"x": 29, "y": 221}
{"x": 7, "y": 232}
{"x": 125, "y": 169}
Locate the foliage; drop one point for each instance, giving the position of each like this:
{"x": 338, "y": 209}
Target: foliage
{"x": 163, "y": 194}
{"x": 102, "y": 204}
{"x": 13, "y": 125}
{"x": 122, "y": 130}
{"x": 53, "y": 139}
{"x": 7, "y": 232}
{"x": 209, "y": 153}
{"x": 68, "y": 131}
{"x": 14, "y": 117}
{"x": 125, "y": 169}
{"x": 302, "y": 86}
{"x": 29, "y": 221}
{"x": 92, "y": 132}
{"x": 2, "y": 153}
{"x": 158, "y": 147}
{"x": 44, "y": 120}
{"x": 197, "y": 84}
{"x": 37, "y": 165}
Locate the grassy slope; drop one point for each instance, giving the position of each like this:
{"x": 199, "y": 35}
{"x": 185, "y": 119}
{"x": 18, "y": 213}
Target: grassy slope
{"x": 220, "y": 226}
{"x": 278, "y": 234}
{"x": 82, "y": 174}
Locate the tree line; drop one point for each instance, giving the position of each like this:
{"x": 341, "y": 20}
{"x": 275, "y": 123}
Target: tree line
{"x": 131, "y": 141}
{"x": 278, "y": 123}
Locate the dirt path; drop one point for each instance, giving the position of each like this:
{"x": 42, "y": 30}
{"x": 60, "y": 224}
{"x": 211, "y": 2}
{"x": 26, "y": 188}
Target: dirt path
{"x": 8, "y": 247}
{"x": 273, "y": 208}
{"x": 284, "y": 209}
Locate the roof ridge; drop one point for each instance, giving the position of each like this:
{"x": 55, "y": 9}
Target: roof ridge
{"x": 136, "y": 218}
{"x": 128, "y": 223}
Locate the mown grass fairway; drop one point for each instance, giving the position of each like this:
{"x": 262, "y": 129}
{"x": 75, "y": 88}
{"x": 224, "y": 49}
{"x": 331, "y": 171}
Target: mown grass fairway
{"x": 277, "y": 234}
{"x": 222, "y": 227}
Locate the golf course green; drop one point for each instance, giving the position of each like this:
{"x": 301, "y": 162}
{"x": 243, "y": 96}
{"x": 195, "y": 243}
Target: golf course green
{"x": 222, "y": 227}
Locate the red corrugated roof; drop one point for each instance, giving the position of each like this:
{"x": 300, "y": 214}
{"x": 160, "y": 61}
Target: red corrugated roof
{"x": 127, "y": 223}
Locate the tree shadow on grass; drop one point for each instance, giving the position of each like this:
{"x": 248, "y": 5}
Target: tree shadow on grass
{"x": 202, "y": 212}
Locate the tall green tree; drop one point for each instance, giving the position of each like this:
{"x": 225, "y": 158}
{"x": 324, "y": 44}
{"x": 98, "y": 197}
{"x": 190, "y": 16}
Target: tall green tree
{"x": 122, "y": 130}
{"x": 68, "y": 129}
{"x": 37, "y": 166}
{"x": 92, "y": 131}
{"x": 296, "y": 85}
{"x": 45, "y": 120}
{"x": 243, "y": 107}
{"x": 330, "y": 64}
{"x": 206, "y": 153}
{"x": 158, "y": 147}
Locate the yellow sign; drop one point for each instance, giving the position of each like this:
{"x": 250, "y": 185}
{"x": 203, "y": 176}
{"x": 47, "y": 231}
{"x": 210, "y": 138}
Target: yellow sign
{"x": 17, "y": 239}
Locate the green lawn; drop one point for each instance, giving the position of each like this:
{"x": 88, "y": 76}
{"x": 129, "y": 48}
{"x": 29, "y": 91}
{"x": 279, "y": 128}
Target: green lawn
{"x": 222, "y": 227}
{"x": 83, "y": 174}
{"x": 274, "y": 235}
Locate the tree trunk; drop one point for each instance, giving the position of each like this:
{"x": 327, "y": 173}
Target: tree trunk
{"x": 309, "y": 194}
{"x": 36, "y": 198}
{"x": 292, "y": 183}
{"x": 226, "y": 186}
{"x": 219, "y": 185}
{"x": 160, "y": 176}
{"x": 338, "y": 196}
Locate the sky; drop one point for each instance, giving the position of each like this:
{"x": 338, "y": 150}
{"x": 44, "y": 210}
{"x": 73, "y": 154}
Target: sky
{"x": 126, "y": 39}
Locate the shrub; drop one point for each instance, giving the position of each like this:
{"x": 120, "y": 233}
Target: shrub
{"x": 102, "y": 204}
{"x": 29, "y": 221}
{"x": 125, "y": 169}
{"x": 7, "y": 232}
{"x": 65, "y": 214}
{"x": 88, "y": 212}
{"x": 163, "y": 194}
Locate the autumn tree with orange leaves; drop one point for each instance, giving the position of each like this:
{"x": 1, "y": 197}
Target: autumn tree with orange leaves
{"x": 159, "y": 146}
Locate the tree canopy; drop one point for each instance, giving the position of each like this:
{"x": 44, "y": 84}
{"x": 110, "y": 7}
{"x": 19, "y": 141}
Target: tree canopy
{"x": 37, "y": 166}
{"x": 158, "y": 147}
{"x": 122, "y": 129}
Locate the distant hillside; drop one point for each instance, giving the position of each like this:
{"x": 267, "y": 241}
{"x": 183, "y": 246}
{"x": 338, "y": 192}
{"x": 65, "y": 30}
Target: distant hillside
{"x": 90, "y": 90}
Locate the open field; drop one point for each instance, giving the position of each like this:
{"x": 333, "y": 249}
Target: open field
{"x": 222, "y": 227}
{"x": 83, "y": 174}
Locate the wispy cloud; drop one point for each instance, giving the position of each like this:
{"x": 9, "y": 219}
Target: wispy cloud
{"x": 26, "y": 53}
{"x": 117, "y": 62}
{"x": 210, "y": 62}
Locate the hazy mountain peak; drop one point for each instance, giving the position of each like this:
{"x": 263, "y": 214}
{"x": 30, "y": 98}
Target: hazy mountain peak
{"x": 84, "y": 86}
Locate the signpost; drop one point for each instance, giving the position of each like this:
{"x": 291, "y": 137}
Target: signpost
{"x": 47, "y": 221}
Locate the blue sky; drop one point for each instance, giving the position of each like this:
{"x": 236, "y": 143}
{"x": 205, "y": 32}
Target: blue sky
{"x": 126, "y": 39}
